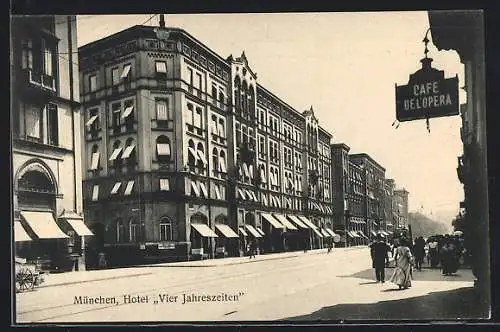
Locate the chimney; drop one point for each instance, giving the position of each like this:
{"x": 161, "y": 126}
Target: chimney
{"x": 162, "y": 21}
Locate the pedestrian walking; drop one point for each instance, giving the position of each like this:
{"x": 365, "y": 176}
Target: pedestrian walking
{"x": 252, "y": 248}
{"x": 330, "y": 245}
{"x": 419, "y": 252}
{"x": 379, "y": 251}
{"x": 450, "y": 260}
{"x": 403, "y": 259}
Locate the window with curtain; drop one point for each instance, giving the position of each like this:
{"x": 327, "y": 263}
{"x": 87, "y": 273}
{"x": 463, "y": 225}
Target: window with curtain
{"x": 34, "y": 118}
{"x": 162, "y": 110}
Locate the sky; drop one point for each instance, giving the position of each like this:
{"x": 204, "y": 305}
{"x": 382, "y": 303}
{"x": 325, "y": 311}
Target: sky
{"x": 344, "y": 65}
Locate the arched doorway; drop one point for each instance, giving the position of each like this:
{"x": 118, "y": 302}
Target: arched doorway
{"x": 35, "y": 192}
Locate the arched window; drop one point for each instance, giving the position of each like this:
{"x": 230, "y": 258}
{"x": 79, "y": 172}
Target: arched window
{"x": 244, "y": 100}
{"x": 222, "y": 161}
{"x": 251, "y": 101}
{"x": 200, "y": 151}
{"x": 238, "y": 134}
{"x": 36, "y": 181}
{"x": 215, "y": 161}
{"x": 166, "y": 229}
{"x": 191, "y": 155}
{"x": 120, "y": 231}
{"x": 199, "y": 218}
{"x": 115, "y": 157}
{"x": 163, "y": 149}
{"x": 134, "y": 230}
{"x": 222, "y": 128}
{"x": 214, "y": 125}
{"x": 221, "y": 219}
{"x": 237, "y": 92}
{"x": 221, "y": 98}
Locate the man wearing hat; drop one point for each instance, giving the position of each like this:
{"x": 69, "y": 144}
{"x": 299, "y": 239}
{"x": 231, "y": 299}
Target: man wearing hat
{"x": 380, "y": 255}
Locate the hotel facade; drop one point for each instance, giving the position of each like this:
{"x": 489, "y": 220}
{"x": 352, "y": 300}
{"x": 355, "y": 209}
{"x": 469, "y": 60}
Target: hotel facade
{"x": 365, "y": 202}
{"x": 46, "y": 148}
{"x": 186, "y": 155}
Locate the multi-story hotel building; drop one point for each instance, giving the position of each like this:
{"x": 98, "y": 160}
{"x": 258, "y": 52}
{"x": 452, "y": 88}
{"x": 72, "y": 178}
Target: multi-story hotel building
{"x": 363, "y": 199}
{"x": 374, "y": 188}
{"x": 187, "y": 155}
{"x": 46, "y": 144}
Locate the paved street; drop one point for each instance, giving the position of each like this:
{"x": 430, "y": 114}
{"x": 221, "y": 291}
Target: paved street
{"x": 301, "y": 286}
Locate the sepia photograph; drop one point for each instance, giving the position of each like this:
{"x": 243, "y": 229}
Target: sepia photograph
{"x": 249, "y": 167}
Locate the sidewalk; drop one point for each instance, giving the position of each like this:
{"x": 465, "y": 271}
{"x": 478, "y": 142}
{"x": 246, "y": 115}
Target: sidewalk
{"x": 425, "y": 300}
{"x": 69, "y": 278}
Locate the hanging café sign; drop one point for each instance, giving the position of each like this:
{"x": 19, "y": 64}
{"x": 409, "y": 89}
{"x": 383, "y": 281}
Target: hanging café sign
{"x": 428, "y": 94}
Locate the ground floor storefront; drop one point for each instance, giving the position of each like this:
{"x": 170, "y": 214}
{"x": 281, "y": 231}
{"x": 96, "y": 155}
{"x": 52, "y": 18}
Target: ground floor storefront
{"x": 133, "y": 232}
{"x": 48, "y": 232}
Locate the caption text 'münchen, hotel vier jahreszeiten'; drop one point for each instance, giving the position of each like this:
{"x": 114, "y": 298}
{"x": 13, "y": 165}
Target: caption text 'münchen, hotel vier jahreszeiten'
{"x": 162, "y": 298}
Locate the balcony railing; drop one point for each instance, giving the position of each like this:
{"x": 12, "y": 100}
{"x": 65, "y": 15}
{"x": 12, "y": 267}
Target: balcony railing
{"x": 41, "y": 80}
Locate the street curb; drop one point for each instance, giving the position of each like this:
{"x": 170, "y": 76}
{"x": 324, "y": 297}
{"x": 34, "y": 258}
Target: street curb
{"x": 235, "y": 263}
{"x": 315, "y": 252}
{"x": 92, "y": 280}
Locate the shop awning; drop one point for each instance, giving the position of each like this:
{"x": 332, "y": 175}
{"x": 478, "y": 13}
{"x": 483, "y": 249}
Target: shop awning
{"x": 43, "y": 225}
{"x": 325, "y": 233}
{"x": 260, "y": 231}
{"x": 76, "y": 222}
{"x": 362, "y": 234}
{"x": 355, "y": 234}
{"x": 298, "y": 222}
{"x": 350, "y": 234}
{"x": 253, "y": 231}
{"x": 20, "y": 233}
{"x": 318, "y": 233}
{"x": 243, "y": 231}
{"x": 331, "y": 232}
{"x": 282, "y": 219}
{"x": 204, "y": 230}
{"x": 226, "y": 231}
{"x": 307, "y": 222}
{"x": 273, "y": 221}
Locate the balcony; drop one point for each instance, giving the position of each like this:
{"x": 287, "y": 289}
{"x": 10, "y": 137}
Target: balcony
{"x": 41, "y": 81}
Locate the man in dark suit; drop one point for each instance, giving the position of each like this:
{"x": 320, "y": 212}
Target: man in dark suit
{"x": 380, "y": 255}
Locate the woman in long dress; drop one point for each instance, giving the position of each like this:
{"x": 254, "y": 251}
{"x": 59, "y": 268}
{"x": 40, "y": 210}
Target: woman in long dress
{"x": 402, "y": 272}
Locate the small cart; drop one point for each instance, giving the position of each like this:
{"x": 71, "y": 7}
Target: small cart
{"x": 28, "y": 275}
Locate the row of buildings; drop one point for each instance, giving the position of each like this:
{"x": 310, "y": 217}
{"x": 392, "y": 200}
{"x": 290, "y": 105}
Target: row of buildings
{"x": 147, "y": 145}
